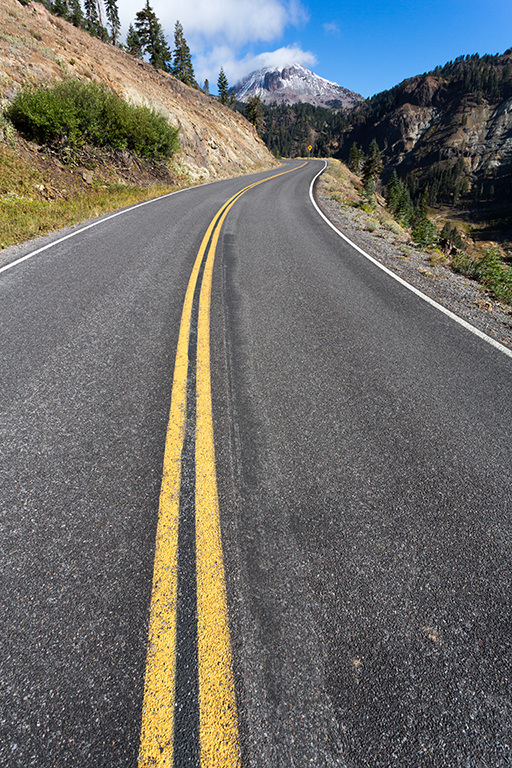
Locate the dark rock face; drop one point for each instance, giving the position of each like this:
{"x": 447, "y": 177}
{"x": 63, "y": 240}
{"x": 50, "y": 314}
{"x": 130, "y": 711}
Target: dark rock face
{"x": 430, "y": 119}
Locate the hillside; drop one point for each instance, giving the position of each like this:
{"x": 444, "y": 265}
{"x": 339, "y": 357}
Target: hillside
{"x": 448, "y": 131}
{"x": 38, "y": 48}
{"x": 289, "y": 129}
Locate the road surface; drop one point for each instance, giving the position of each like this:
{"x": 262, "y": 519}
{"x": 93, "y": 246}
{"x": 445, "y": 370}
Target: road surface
{"x": 349, "y": 554}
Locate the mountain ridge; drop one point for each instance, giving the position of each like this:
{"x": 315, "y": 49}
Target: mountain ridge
{"x": 449, "y": 131}
{"x": 293, "y": 84}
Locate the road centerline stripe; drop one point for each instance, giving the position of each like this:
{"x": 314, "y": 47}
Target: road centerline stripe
{"x": 217, "y": 703}
{"x": 218, "y": 729}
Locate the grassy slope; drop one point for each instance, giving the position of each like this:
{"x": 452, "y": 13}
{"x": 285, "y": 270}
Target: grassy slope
{"x": 39, "y": 194}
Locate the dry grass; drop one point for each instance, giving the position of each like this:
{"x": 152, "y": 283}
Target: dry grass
{"x": 341, "y": 184}
{"x": 29, "y": 209}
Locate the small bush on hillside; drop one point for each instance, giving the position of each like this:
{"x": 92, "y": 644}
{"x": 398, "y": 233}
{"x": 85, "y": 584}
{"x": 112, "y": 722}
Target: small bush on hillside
{"x": 73, "y": 113}
{"x": 488, "y": 270}
{"x": 424, "y": 232}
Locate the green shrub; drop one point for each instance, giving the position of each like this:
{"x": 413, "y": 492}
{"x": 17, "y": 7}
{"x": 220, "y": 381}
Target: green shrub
{"x": 488, "y": 270}
{"x": 424, "y": 232}
{"x": 394, "y": 227}
{"x": 73, "y": 113}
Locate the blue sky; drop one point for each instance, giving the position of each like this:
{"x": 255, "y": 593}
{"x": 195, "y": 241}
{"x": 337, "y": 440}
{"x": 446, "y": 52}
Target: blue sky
{"x": 364, "y": 46}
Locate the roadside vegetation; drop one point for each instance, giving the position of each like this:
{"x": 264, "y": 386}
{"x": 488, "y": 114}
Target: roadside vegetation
{"x": 29, "y": 207}
{"x": 94, "y": 153}
{"x": 72, "y": 113}
{"x": 395, "y": 212}
{"x": 489, "y": 270}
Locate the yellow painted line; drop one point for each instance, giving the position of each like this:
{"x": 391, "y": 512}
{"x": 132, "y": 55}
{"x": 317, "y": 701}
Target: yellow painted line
{"x": 157, "y": 733}
{"x": 217, "y": 705}
{"x": 218, "y": 722}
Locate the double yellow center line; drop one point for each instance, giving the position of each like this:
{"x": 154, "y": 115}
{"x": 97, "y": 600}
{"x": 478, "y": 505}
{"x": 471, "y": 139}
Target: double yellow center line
{"x": 201, "y": 704}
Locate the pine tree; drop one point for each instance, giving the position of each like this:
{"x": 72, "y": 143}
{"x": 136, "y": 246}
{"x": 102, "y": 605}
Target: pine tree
{"x": 394, "y": 189}
{"x": 254, "y": 112}
{"x": 76, "y": 16}
{"x": 152, "y": 38}
{"x": 398, "y": 199}
{"x": 424, "y": 232}
{"x": 182, "y": 67}
{"x": 356, "y": 159}
{"x": 133, "y": 43}
{"x": 92, "y": 21}
{"x": 373, "y": 163}
{"x": 60, "y": 8}
{"x": 112, "y": 14}
{"x": 223, "y": 87}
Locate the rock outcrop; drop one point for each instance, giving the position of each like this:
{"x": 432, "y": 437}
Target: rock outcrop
{"x": 431, "y": 119}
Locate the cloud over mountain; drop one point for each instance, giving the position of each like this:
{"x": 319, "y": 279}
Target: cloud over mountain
{"x": 219, "y": 31}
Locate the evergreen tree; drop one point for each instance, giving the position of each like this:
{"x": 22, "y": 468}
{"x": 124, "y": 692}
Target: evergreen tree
{"x": 356, "y": 159}
{"x": 112, "y": 14}
{"x": 405, "y": 210}
{"x": 60, "y": 8}
{"x": 76, "y": 16}
{"x": 133, "y": 43}
{"x": 223, "y": 87}
{"x": 373, "y": 164}
{"x": 152, "y": 38}
{"x": 398, "y": 199}
{"x": 92, "y": 20}
{"x": 182, "y": 67}
{"x": 372, "y": 167}
{"x": 394, "y": 189}
{"x": 254, "y": 112}
{"x": 424, "y": 232}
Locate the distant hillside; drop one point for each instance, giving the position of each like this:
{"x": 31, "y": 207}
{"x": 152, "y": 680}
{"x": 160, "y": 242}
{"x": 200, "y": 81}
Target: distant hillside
{"x": 37, "y": 48}
{"x": 448, "y": 132}
{"x": 288, "y": 130}
{"x": 294, "y": 84}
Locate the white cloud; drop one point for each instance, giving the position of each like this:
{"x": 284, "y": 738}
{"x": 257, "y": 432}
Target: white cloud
{"x": 217, "y": 31}
{"x": 235, "y": 22}
{"x": 290, "y": 54}
{"x": 331, "y": 28}
{"x": 209, "y": 64}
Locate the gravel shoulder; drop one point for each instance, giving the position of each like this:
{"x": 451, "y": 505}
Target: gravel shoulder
{"x": 463, "y": 296}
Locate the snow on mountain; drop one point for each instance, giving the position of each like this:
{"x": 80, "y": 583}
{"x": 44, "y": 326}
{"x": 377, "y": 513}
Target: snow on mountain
{"x": 294, "y": 84}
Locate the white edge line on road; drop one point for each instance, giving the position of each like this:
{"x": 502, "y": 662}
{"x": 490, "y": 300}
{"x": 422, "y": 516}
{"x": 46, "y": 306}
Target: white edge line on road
{"x": 103, "y": 219}
{"x": 89, "y": 226}
{"x": 403, "y": 282}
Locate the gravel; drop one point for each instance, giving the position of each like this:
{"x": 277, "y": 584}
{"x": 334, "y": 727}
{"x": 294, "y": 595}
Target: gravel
{"x": 458, "y": 293}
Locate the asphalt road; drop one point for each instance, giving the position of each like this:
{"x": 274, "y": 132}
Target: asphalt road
{"x": 363, "y": 452}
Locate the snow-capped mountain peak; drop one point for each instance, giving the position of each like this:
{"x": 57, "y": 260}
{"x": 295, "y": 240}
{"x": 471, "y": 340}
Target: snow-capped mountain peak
{"x": 293, "y": 84}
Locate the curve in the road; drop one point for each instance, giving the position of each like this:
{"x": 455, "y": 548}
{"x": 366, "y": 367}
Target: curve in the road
{"x": 189, "y": 713}
{"x": 407, "y": 285}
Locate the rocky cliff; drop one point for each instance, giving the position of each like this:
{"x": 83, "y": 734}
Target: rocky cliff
{"x": 38, "y": 48}
{"x": 462, "y": 111}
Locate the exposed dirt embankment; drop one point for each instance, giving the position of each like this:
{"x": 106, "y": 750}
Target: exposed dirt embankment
{"x": 38, "y": 48}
